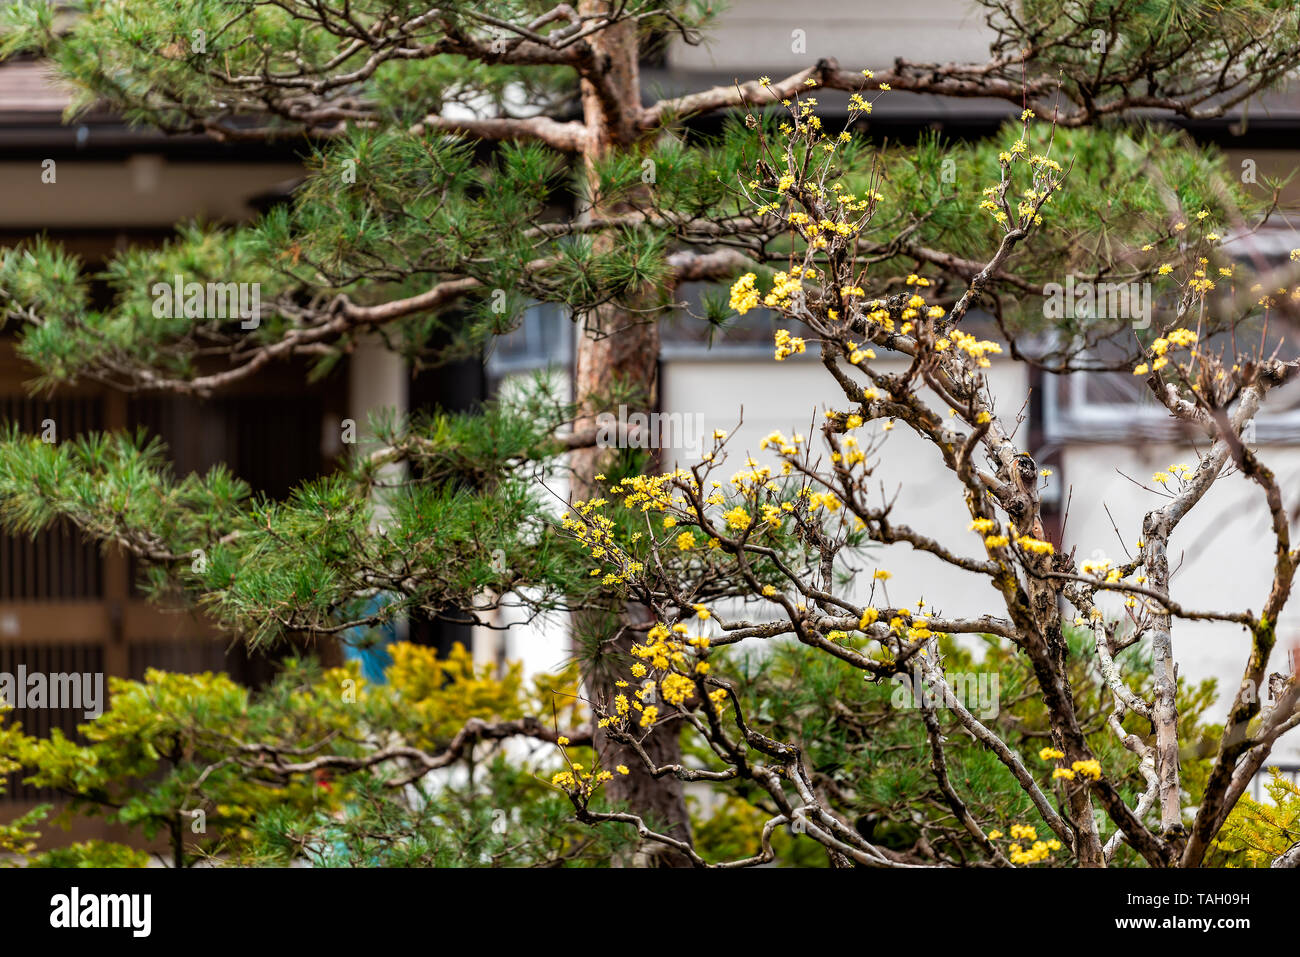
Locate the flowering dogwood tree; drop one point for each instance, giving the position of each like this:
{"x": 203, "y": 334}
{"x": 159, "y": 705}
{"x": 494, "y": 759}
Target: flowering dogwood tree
{"x": 934, "y": 255}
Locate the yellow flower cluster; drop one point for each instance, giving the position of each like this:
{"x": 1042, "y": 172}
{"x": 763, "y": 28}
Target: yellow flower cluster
{"x": 564, "y": 780}
{"x": 853, "y": 454}
{"x": 651, "y": 491}
{"x": 1178, "y": 339}
{"x": 594, "y": 532}
{"x": 758, "y": 476}
{"x": 879, "y": 315}
{"x": 665, "y": 650}
{"x": 677, "y": 688}
{"x": 1179, "y": 471}
{"x": 815, "y": 230}
{"x": 977, "y": 349}
{"x": 744, "y": 296}
{"x": 1095, "y": 568}
{"x": 1089, "y": 769}
{"x": 784, "y": 287}
{"x": 787, "y": 345}
{"x": 1199, "y": 281}
{"x": 920, "y": 630}
{"x": 827, "y": 500}
{"x": 661, "y": 647}
{"x": 737, "y": 518}
{"x": 786, "y": 446}
{"x": 1038, "y": 851}
{"x": 851, "y": 202}
{"x": 579, "y": 780}
{"x": 856, "y": 355}
{"x": 1035, "y": 545}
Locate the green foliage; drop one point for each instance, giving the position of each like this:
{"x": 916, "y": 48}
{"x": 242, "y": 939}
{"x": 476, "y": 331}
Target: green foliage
{"x": 17, "y": 836}
{"x": 90, "y": 854}
{"x": 175, "y": 757}
{"x": 734, "y": 828}
{"x": 1257, "y": 833}
{"x": 866, "y": 744}
{"x": 1172, "y": 44}
{"x": 504, "y": 818}
{"x": 370, "y": 238}
{"x": 262, "y": 567}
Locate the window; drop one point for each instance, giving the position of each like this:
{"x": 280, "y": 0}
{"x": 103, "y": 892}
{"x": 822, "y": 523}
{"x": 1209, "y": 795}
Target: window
{"x": 688, "y": 333}
{"x": 544, "y": 339}
{"x": 1110, "y": 406}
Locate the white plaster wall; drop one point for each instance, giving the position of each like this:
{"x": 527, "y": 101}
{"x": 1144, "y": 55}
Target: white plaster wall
{"x": 1224, "y": 546}
{"x": 793, "y": 397}
{"x": 1225, "y": 539}
{"x": 758, "y": 34}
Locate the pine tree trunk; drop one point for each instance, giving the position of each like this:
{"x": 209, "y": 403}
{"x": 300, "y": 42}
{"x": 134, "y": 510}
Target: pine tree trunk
{"x": 626, "y": 350}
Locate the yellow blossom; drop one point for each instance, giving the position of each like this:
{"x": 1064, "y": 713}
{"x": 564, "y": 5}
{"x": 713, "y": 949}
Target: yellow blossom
{"x": 1088, "y": 769}
{"x": 744, "y": 296}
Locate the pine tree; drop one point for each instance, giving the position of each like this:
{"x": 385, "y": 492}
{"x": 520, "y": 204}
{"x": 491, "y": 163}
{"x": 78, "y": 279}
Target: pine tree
{"x": 1260, "y": 835}
{"x": 465, "y": 161}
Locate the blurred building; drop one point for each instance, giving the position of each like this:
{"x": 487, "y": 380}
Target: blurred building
{"x": 65, "y": 605}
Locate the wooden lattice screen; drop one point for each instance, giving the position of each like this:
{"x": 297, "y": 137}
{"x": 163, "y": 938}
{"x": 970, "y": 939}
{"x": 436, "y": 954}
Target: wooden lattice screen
{"x": 67, "y": 607}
